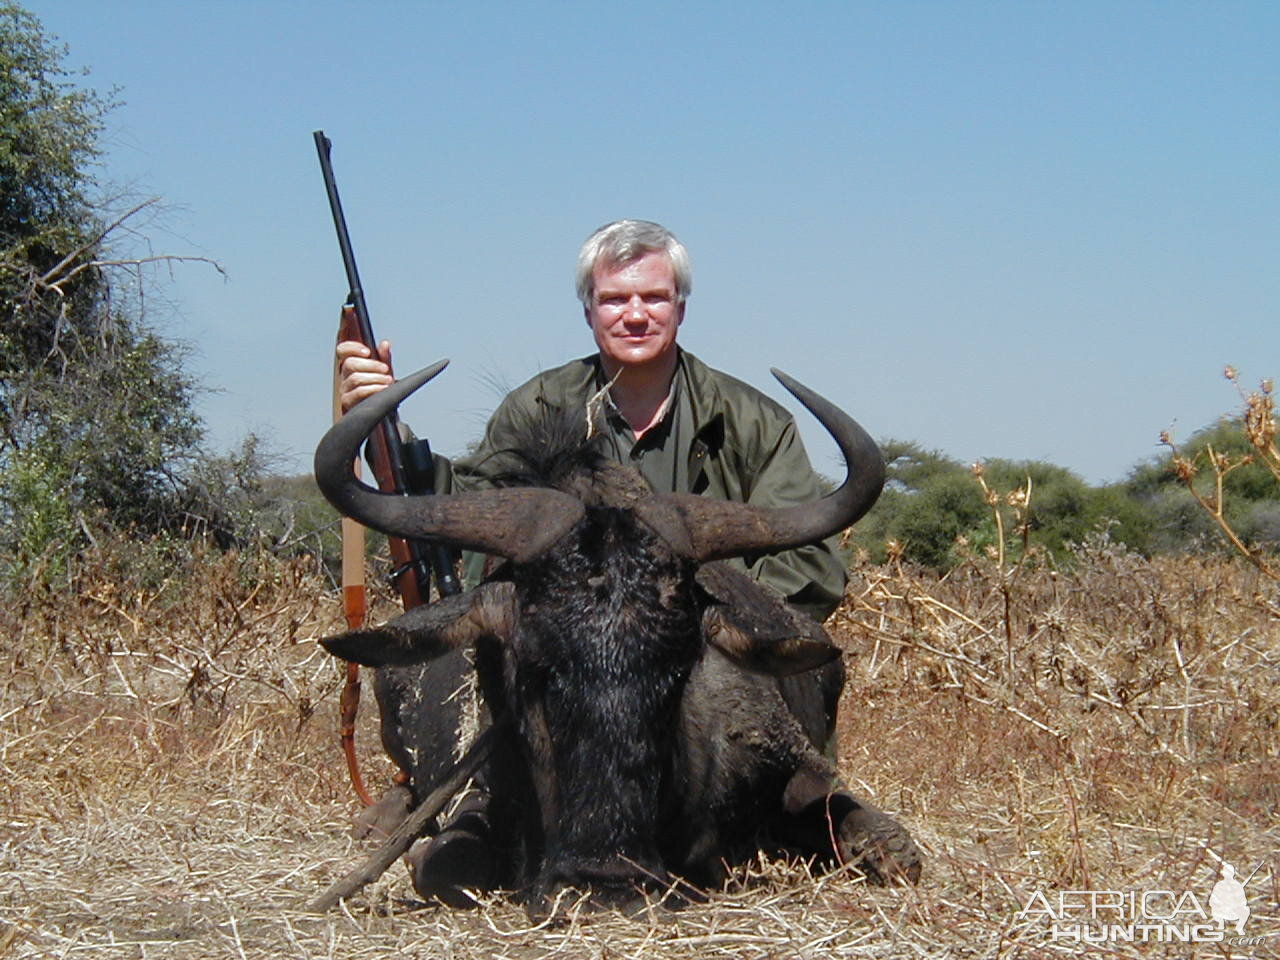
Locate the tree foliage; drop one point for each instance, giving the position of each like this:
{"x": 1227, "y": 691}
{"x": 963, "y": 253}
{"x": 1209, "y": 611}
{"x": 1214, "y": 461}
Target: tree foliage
{"x": 934, "y": 510}
{"x": 928, "y": 502}
{"x": 49, "y": 130}
{"x": 98, "y": 430}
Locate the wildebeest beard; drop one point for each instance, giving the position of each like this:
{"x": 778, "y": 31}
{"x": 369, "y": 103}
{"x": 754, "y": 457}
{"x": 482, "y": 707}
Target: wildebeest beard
{"x": 608, "y": 634}
{"x": 595, "y": 676}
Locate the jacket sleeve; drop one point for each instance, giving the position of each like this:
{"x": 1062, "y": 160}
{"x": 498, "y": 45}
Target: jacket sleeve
{"x": 476, "y": 469}
{"x": 811, "y": 578}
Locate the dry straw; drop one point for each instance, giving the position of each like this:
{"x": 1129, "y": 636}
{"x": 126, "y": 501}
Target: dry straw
{"x": 173, "y": 786}
{"x": 1258, "y": 420}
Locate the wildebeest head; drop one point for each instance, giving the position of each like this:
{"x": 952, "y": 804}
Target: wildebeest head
{"x": 586, "y": 636}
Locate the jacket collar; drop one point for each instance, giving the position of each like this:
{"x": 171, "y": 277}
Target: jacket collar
{"x": 706, "y": 400}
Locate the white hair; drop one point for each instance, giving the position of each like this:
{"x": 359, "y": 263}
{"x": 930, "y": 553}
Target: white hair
{"x": 623, "y": 241}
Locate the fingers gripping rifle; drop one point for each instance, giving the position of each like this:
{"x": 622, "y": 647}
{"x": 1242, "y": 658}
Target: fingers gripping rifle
{"x": 398, "y": 467}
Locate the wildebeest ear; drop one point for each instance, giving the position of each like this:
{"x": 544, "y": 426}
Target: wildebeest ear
{"x": 427, "y": 632}
{"x": 755, "y": 627}
{"x": 774, "y": 655}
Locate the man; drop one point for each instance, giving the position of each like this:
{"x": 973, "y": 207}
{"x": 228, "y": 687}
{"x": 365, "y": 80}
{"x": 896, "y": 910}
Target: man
{"x": 686, "y": 427}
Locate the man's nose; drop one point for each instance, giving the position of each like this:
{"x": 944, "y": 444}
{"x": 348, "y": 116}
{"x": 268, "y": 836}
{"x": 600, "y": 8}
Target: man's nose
{"x": 636, "y": 310}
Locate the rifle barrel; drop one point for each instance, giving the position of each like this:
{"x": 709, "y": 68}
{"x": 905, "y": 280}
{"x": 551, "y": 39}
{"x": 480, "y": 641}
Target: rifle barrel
{"x": 355, "y": 294}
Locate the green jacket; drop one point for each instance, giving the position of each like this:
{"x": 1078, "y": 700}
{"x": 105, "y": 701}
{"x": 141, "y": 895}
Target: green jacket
{"x": 745, "y": 447}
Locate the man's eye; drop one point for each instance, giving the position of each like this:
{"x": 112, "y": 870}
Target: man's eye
{"x": 656, "y": 298}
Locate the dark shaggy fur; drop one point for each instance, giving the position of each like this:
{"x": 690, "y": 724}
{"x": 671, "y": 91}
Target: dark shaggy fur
{"x": 639, "y": 748}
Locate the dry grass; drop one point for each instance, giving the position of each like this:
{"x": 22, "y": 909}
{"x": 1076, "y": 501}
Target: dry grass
{"x": 173, "y": 787}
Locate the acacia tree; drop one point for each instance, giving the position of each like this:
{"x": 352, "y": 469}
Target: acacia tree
{"x": 933, "y": 504}
{"x": 97, "y": 422}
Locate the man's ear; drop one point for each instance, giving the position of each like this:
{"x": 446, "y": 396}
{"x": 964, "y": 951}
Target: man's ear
{"x": 680, "y": 312}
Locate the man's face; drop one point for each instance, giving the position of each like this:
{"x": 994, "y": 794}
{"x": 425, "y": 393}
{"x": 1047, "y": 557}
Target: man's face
{"x": 633, "y": 314}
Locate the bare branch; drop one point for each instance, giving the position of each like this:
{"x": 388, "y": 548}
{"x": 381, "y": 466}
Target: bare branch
{"x": 1187, "y": 469}
{"x": 46, "y": 281}
{"x": 137, "y": 262}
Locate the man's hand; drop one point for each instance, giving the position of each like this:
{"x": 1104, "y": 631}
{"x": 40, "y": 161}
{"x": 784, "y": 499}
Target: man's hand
{"x": 362, "y": 375}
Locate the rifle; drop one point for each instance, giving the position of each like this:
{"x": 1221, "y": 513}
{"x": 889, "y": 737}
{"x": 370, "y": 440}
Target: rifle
{"x": 398, "y": 468}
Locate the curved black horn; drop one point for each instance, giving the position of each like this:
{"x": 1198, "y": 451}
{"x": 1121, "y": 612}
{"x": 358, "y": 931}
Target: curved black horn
{"x": 516, "y": 524}
{"x": 716, "y": 529}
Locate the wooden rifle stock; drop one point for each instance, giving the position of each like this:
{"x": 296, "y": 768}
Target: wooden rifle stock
{"x": 413, "y": 560}
{"x": 411, "y": 565}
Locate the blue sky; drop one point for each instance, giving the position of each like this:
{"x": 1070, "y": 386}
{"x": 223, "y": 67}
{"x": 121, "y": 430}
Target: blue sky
{"x": 1025, "y": 230}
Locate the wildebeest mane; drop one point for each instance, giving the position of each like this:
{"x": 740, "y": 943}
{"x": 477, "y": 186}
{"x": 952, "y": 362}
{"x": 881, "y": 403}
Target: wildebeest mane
{"x": 552, "y": 447}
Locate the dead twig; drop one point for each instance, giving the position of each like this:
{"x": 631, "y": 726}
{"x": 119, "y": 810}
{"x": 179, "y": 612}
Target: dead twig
{"x": 411, "y": 827}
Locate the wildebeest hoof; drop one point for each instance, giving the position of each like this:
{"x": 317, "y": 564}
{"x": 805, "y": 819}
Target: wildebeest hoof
{"x": 879, "y": 846}
{"x": 378, "y": 821}
{"x": 450, "y": 864}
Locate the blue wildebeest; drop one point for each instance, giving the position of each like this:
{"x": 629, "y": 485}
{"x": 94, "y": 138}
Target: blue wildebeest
{"x": 666, "y": 713}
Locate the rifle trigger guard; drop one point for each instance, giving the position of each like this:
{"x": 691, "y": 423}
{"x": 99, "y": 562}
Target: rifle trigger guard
{"x": 418, "y": 566}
